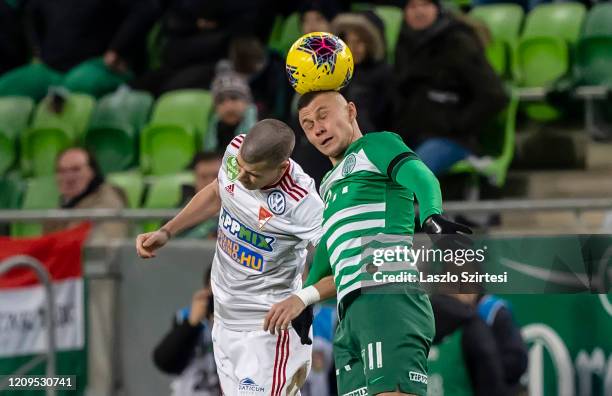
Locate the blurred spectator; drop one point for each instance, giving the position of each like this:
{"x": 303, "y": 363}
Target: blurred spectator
{"x": 316, "y": 15}
{"x": 186, "y": 350}
{"x": 371, "y": 85}
{"x": 234, "y": 114}
{"x": 496, "y": 313}
{"x": 205, "y": 167}
{"x": 13, "y": 43}
{"x": 82, "y": 186}
{"x": 195, "y": 35}
{"x": 88, "y": 46}
{"x": 323, "y": 328}
{"x": 447, "y": 91}
{"x": 265, "y": 72}
{"x": 467, "y": 354}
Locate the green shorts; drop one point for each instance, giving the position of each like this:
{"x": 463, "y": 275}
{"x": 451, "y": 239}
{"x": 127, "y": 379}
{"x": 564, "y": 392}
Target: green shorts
{"x": 382, "y": 344}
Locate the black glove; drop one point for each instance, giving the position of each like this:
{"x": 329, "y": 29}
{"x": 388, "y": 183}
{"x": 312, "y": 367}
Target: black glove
{"x": 302, "y": 324}
{"x": 446, "y": 234}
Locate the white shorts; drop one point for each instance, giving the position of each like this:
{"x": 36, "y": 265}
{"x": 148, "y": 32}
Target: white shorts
{"x": 257, "y": 363}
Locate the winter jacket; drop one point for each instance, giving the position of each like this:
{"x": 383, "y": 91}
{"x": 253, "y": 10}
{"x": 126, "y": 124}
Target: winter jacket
{"x": 445, "y": 86}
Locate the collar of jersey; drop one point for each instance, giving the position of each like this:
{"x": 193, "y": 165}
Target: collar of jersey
{"x": 287, "y": 171}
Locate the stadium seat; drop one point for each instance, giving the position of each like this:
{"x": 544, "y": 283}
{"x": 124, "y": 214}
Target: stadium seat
{"x": 164, "y": 193}
{"x": 291, "y": 32}
{"x": 504, "y": 22}
{"x": 392, "y": 17}
{"x": 498, "y": 142}
{"x": 276, "y": 34}
{"x": 178, "y": 124}
{"x": 11, "y": 191}
{"x": 594, "y": 50}
{"x": 132, "y": 185}
{"x": 15, "y": 113}
{"x": 40, "y": 193}
{"x": 52, "y": 132}
{"x": 544, "y": 50}
{"x": 113, "y": 131}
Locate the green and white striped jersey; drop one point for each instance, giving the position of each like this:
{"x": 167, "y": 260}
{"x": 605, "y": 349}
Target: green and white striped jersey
{"x": 365, "y": 209}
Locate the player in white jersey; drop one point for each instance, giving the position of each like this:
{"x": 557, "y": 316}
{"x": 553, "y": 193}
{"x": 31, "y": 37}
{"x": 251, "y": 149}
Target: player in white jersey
{"x": 269, "y": 213}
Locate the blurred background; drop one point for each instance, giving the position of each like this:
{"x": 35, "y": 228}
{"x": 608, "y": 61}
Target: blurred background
{"x": 119, "y": 111}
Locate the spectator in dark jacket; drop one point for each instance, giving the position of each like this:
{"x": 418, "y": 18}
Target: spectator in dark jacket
{"x": 186, "y": 350}
{"x": 447, "y": 91}
{"x": 13, "y": 43}
{"x": 464, "y": 350}
{"x": 371, "y": 85}
{"x": 87, "y": 46}
{"x": 195, "y": 35}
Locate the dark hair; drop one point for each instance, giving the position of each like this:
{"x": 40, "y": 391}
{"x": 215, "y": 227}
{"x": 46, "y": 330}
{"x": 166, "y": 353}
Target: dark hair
{"x": 203, "y": 157}
{"x": 308, "y": 97}
{"x": 91, "y": 160}
{"x": 268, "y": 140}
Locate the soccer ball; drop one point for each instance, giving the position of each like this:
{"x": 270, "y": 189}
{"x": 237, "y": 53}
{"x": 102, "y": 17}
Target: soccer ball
{"x": 319, "y": 62}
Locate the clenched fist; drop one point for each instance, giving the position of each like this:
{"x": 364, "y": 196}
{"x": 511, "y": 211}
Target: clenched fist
{"x": 148, "y": 243}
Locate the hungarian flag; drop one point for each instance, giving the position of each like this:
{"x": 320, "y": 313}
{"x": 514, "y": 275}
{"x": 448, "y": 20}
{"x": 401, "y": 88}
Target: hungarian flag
{"x": 23, "y": 312}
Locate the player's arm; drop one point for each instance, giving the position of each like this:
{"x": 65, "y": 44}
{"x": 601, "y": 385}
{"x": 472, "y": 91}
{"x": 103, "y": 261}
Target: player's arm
{"x": 203, "y": 206}
{"x": 319, "y": 286}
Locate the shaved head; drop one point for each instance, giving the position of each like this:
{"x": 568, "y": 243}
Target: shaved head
{"x": 270, "y": 141}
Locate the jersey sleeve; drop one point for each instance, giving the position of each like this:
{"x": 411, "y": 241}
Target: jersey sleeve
{"x": 308, "y": 217}
{"x": 320, "y": 267}
{"x": 387, "y": 150}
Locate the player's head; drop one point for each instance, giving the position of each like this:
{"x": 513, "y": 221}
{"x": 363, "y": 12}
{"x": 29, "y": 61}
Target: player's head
{"x": 264, "y": 154}
{"x": 329, "y": 122}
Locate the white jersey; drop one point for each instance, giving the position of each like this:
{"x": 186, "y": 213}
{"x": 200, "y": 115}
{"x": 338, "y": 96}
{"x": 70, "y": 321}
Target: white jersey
{"x": 262, "y": 240}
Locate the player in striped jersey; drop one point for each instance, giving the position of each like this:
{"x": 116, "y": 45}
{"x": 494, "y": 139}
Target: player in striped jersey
{"x": 385, "y": 331}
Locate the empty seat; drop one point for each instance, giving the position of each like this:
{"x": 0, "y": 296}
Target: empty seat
{"x": 392, "y": 18}
{"x": 164, "y": 193}
{"x": 594, "y": 50}
{"x": 544, "y": 49}
{"x": 504, "y": 22}
{"x": 132, "y": 185}
{"x": 114, "y": 128}
{"x": 177, "y": 126}
{"x": 15, "y": 113}
{"x": 52, "y": 132}
{"x": 40, "y": 193}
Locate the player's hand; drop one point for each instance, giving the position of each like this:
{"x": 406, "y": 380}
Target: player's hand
{"x": 282, "y": 313}
{"x": 148, "y": 243}
{"x": 446, "y": 234}
{"x": 199, "y": 306}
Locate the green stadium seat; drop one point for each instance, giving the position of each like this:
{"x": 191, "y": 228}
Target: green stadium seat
{"x": 132, "y": 185}
{"x": 50, "y": 133}
{"x": 113, "y": 131}
{"x": 392, "y": 17}
{"x": 504, "y": 22}
{"x": 11, "y": 191}
{"x": 594, "y": 50}
{"x": 164, "y": 193}
{"x": 291, "y": 32}
{"x": 40, "y": 193}
{"x": 15, "y": 113}
{"x": 178, "y": 124}
{"x": 544, "y": 50}
{"x": 276, "y": 34}
{"x": 498, "y": 142}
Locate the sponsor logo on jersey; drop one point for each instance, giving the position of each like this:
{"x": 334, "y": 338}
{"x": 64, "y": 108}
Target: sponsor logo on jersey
{"x": 417, "y": 377}
{"x": 244, "y": 233}
{"x": 230, "y": 189}
{"x": 231, "y": 167}
{"x": 349, "y": 164}
{"x": 277, "y": 202}
{"x": 248, "y": 387}
{"x": 240, "y": 254}
{"x": 264, "y": 216}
